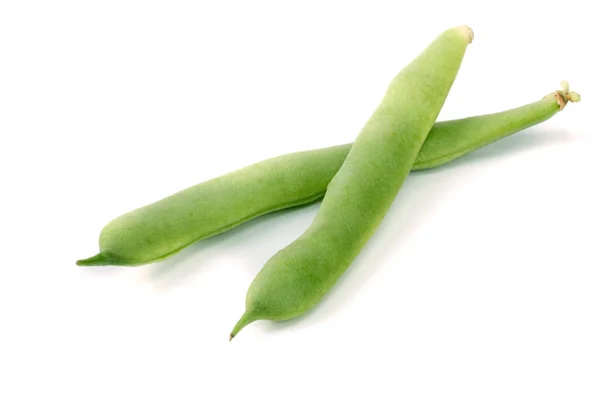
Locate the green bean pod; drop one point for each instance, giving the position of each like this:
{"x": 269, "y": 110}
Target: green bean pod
{"x": 296, "y": 278}
{"x": 160, "y": 229}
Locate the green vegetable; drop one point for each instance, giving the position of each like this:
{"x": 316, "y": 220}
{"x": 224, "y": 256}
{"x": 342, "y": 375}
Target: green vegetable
{"x": 296, "y": 278}
{"x": 159, "y": 230}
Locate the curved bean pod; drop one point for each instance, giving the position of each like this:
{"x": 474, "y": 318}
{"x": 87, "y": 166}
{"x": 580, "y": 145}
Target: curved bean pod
{"x": 296, "y": 278}
{"x": 161, "y": 229}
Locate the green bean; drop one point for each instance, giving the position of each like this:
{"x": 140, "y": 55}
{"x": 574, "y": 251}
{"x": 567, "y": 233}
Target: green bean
{"x": 161, "y": 229}
{"x": 296, "y": 278}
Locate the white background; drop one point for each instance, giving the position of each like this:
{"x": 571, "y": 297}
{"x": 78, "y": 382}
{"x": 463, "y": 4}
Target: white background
{"x": 483, "y": 282}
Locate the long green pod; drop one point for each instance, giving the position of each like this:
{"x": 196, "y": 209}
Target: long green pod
{"x": 296, "y": 278}
{"x": 158, "y": 230}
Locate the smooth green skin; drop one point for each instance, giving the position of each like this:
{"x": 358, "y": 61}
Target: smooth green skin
{"x": 296, "y": 278}
{"x": 161, "y": 229}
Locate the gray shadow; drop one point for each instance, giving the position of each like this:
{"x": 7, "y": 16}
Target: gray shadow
{"x": 420, "y": 194}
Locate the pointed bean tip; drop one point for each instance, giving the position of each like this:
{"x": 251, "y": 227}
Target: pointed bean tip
{"x": 247, "y": 318}
{"x": 98, "y": 259}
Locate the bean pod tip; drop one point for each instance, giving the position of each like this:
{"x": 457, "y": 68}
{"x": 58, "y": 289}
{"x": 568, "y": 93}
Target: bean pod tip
{"x": 565, "y": 95}
{"x": 98, "y": 259}
{"x": 247, "y": 318}
{"x": 466, "y": 32}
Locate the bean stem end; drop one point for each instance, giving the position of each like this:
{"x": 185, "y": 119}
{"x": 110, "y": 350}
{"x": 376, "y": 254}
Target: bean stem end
{"x": 565, "y": 95}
